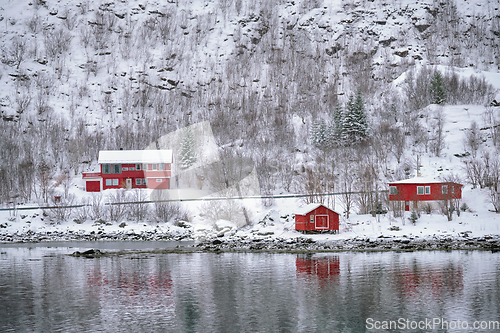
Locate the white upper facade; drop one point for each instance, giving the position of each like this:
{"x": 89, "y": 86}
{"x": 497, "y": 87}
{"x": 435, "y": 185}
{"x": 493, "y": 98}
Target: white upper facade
{"x": 134, "y": 156}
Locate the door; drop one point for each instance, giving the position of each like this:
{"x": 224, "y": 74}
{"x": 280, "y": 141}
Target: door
{"x": 128, "y": 183}
{"x": 321, "y": 222}
{"x": 93, "y": 185}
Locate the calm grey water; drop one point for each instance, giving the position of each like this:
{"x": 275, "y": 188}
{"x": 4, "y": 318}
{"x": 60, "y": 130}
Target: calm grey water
{"x": 42, "y": 289}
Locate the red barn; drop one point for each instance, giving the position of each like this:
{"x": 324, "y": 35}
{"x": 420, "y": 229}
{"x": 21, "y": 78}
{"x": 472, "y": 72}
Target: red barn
{"x": 412, "y": 191}
{"x": 317, "y": 218}
{"x": 130, "y": 169}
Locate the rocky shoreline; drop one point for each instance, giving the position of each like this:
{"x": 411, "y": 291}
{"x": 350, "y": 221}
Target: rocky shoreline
{"x": 269, "y": 244}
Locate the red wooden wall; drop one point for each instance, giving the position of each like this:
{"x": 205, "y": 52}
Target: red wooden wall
{"x": 323, "y": 219}
{"x": 408, "y": 192}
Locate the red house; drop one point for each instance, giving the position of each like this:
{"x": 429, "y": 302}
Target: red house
{"x": 414, "y": 190}
{"x": 130, "y": 169}
{"x": 316, "y": 218}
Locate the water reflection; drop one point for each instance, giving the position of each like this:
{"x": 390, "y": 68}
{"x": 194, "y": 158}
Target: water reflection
{"x": 43, "y": 289}
{"x": 433, "y": 282}
{"x": 323, "y": 267}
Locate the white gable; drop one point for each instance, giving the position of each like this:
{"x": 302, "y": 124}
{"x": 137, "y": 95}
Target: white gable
{"x": 134, "y": 156}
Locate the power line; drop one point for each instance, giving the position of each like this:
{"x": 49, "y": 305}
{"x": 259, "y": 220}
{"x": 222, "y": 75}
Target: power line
{"x": 281, "y": 196}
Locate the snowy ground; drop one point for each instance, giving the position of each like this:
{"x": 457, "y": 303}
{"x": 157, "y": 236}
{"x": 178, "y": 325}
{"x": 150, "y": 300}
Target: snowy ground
{"x": 272, "y": 226}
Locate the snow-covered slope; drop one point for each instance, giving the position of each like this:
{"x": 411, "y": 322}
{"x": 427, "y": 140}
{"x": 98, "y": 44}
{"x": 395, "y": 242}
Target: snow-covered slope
{"x": 79, "y": 77}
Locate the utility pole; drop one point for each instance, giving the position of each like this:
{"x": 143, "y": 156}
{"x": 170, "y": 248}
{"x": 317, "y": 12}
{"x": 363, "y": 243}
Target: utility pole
{"x": 418, "y": 166}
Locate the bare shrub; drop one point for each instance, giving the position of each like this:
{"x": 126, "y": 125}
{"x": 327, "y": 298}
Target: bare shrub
{"x": 495, "y": 200}
{"x": 14, "y": 55}
{"x": 473, "y": 139}
{"x": 165, "y": 210}
{"x": 57, "y": 42}
{"x": 62, "y": 207}
{"x": 139, "y": 209}
{"x": 116, "y": 209}
{"x": 229, "y": 210}
{"x": 96, "y": 207}
{"x": 83, "y": 212}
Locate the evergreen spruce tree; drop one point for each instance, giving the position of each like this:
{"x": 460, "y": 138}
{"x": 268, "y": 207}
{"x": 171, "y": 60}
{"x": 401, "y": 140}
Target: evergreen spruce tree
{"x": 319, "y": 134}
{"x": 437, "y": 89}
{"x": 338, "y": 124}
{"x": 355, "y": 122}
{"x": 187, "y": 155}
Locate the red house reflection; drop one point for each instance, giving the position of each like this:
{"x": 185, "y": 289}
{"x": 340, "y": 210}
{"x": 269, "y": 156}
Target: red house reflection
{"x": 433, "y": 282}
{"x": 155, "y": 284}
{"x": 322, "y": 267}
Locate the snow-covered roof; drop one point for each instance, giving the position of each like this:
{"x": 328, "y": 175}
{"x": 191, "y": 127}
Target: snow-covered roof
{"x": 135, "y": 156}
{"x": 307, "y": 208}
{"x": 418, "y": 180}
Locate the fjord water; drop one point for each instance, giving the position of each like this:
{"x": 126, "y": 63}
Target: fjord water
{"x": 43, "y": 289}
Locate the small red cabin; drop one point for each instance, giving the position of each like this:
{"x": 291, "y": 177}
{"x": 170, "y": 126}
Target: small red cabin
{"x": 414, "y": 190}
{"x": 130, "y": 169}
{"x": 317, "y": 218}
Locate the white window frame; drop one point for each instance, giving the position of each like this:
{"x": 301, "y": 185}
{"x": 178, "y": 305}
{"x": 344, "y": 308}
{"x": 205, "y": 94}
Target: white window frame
{"x": 115, "y": 182}
{"x": 108, "y": 182}
{"x": 155, "y": 166}
{"x": 138, "y": 181}
{"x": 116, "y": 167}
{"x": 393, "y": 190}
{"x": 327, "y": 221}
{"x": 427, "y": 190}
{"x": 107, "y": 169}
{"x": 444, "y": 189}
{"x": 420, "y": 190}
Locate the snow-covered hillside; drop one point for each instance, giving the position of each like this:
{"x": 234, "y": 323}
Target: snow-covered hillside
{"x": 79, "y": 77}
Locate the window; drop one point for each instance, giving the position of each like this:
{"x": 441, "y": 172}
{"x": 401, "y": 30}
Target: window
{"x": 106, "y": 168}
{"x": 427, "y": 190}
{"x": 444, "y": 189}
{"x": 131, "y": 168}
{"x": 420, "y": 190}
{"x": 393, "y": 190}
{"x": 155, "y": 166}
{"x": 138, "y": 181}
{"x": 108, "y": 182}
{"x": 159, "y": 180}
{"x": 311, "y": 219}
{"x": 138, "y": 167}
{"x": 162, "y": 166}
{"x": 124, "y": 169}
{"x": 453, "y": 189}
{"x": 145, "y": 181}
{"x": 117, "y": 168}
{"x": 115, "y": 182}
